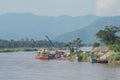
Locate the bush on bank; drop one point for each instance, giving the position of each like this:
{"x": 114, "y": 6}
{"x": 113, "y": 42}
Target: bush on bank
{"x": 84, "y": 56}
{"x": 114, "y": 57}
{"x": 114, "y": 47}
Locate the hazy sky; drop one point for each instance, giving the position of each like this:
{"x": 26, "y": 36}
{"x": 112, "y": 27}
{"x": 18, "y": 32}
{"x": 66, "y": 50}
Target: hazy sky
{"x": 62, "y": 7}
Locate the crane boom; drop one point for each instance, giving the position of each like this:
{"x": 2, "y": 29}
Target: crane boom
{"x": 50, "y": 41}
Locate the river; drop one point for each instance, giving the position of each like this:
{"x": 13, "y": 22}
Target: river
{"x": 24, "y": 66}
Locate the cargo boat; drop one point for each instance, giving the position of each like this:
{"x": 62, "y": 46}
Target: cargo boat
{"x": 42, "y": 54}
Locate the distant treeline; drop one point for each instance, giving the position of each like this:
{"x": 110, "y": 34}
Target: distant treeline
{"x": 28, "y": 43}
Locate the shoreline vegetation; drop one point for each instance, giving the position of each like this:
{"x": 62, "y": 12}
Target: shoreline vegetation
{"x": 17, "y": 49}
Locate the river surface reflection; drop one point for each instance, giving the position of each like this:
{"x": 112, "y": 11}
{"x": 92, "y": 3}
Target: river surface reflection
{"x": 24, "y": 66}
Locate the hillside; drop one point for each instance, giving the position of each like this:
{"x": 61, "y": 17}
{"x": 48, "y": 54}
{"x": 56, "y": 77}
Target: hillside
{"x": 87, "y": 34}
{"x": 27, "y": 25}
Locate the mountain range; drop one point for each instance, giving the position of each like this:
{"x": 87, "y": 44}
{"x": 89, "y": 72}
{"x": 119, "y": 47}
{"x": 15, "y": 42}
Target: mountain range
{"x": 28, "y": 25}
{"x": 60, "y": 28}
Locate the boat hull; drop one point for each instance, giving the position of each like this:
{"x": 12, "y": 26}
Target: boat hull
{"x": 98, "y": 61}
{"x": 93, "y": 60}
{"x": 42, "y": 57}
{"x": 102, "y": 61}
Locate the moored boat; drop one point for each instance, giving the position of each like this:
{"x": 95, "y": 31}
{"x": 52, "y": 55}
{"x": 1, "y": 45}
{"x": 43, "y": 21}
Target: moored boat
{"x": 42, "y": 54}
{"x": 93, "y": 60}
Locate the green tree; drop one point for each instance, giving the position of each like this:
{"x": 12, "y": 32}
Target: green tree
{"x": 27, "y": 43}
{"x": 70, "y": 46}
{"x": 96, "y": 44}
{"x": 77, "y": 43}
{"x": 117, "y": 41}
{"x": 108, "y": 35}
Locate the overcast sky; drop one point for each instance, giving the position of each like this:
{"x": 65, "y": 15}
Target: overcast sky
{"x": 62, "y": 7}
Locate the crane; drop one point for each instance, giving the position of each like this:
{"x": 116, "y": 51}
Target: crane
{"x": 58, "y": 54}
{"x": 50, "y": 41}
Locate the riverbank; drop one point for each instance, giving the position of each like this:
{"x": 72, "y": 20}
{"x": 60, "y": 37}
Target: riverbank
{"x": 17, "y": 49}
{"x": 100, "y": 54}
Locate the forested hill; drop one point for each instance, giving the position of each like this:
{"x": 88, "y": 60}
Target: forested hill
{"x": 27, "y": 25}
{"x": 87, "y": 34}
